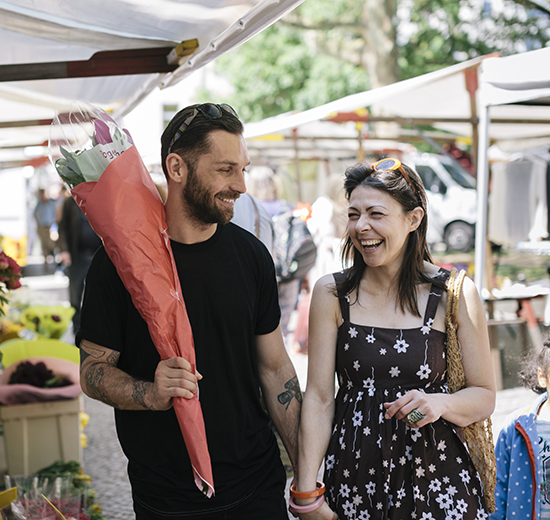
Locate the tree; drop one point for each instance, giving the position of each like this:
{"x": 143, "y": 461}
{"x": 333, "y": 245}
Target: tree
{"x": 327, "y": 49}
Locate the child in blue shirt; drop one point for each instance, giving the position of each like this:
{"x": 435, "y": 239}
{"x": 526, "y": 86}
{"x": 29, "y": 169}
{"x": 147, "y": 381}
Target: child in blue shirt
{"x": 523, "y": 449}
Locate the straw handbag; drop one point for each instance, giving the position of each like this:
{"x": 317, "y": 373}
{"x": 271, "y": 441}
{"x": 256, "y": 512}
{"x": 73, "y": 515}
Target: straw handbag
{"x": 478, "y": 435}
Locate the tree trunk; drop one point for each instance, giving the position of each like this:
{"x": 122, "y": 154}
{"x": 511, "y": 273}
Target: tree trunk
{"x": 380, "y": 51}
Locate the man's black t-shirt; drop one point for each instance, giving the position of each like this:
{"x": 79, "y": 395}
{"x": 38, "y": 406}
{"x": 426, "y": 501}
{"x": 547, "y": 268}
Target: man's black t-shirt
{"x": 230, "y": 291}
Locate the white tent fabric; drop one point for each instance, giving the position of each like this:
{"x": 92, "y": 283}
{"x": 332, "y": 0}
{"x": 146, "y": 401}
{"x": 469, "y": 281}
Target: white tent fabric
{"x": 519, "y": 79}
{"x": 62, "y": 31}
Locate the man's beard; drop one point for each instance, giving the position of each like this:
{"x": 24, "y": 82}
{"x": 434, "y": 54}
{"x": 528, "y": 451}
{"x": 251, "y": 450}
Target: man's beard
{"x": 200, "y": 204}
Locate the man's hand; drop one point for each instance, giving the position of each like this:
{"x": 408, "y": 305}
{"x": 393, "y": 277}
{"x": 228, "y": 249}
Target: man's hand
{"x": 173, "y": 378}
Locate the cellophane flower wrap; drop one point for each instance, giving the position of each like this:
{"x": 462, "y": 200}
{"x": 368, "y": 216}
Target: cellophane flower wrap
{"x": 109, "y": 181}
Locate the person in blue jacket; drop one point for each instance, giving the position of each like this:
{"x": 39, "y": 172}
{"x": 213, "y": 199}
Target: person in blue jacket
{"x": 523, "y": 449}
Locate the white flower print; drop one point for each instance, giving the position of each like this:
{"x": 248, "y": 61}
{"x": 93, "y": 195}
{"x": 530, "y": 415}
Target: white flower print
{"x": 371, "y": 488}
{"x": 443, "y": 457}
{"x": 420, "y": 472}
{"x": 459, "y": 460}
{"x": 364, "y": 515}
{"x": 452, "y": 491}
{"x": 349, "y": 510}
{"x": 444, "y": 501}
{"x": 432, "y": 468}
{"x": 427, "y": 516}
{"x": 401, "y": 493}
{"x": 402, "y": 461}
{"x": 435, "y": 485}
{"x": 344, "y": 490}
{"x": 352, "y": 332}
{"x": 358, "y": 454}
{"x": 360, "y": 396}
{"x": 366, "y": 431}
{"x": 382, "y": 351}
{"x": 428, "y": 326}
{"x": 481, "y": 515}
{"x": 329, "y": 463}
{"x": 415, "y": 435}
{"x": 346, "y": 346}
{"x": 416, "y": 492}
{"x": 424, "y": 372}
{"x": 357, "y": 500}
{"x": 454, "y": 515}
{"x": 394, "y": 371}
{"x": 379, "y": 505}
{"x": 465, "y": 476}
{"x": 357, "y": 365}
{"x": 346, "y": 473}
{"x": 369, "y": 385}
{"x": 401, "y": 346}
{"x": 441, "y": 446}
{"x": 370, "y": 338}
{"x": 461, "y": 505}
{"x": 372, "y": 471}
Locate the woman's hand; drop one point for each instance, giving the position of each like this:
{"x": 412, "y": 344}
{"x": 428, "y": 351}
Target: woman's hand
{"x": 431, "y": 406}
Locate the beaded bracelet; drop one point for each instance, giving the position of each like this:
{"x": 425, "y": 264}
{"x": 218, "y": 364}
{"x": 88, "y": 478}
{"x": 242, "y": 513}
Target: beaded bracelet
{"x": 307, "y": 494}
{"x": 295, "y": 508}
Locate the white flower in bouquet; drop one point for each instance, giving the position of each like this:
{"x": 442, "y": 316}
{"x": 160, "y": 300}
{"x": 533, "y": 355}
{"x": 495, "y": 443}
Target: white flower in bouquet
{"x": 87, "y": 165}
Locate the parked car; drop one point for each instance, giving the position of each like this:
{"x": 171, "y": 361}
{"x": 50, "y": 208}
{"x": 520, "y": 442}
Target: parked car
{"x": 452, "y": 200}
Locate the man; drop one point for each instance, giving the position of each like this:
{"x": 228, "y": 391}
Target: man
{"x": 44, "y": 214}
{"x": 77, "y": 244}
{"x": 230, "y": 290}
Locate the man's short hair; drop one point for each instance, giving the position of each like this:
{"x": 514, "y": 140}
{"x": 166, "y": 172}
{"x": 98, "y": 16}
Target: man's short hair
{"x": 195, "y": 141}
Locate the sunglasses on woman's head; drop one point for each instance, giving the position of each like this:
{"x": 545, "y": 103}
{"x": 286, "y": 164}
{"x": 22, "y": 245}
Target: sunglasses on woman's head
{"x": 208, "y": 110}
{"x": 390, "y": 164}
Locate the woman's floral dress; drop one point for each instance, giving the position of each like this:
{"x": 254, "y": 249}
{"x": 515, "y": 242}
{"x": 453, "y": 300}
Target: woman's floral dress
{"x": 378, "y": 468}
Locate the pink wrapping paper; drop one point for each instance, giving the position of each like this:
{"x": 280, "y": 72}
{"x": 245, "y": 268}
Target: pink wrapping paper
{"x": 125, "y": 210}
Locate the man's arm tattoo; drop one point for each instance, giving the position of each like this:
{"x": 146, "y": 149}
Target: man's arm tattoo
{"x": 292, "y": 391}
{"x": 95, "y": 382}
{"x": 140, "y": 388}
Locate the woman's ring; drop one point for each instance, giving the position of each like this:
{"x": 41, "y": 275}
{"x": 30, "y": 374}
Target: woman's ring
{"x": 415, "y": 416}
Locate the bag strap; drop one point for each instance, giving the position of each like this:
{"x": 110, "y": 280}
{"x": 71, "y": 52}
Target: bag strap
{"x": 455, "y": 369}
{"x": 454, "y": 288}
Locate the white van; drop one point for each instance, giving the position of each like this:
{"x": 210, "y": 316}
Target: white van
{"x": 452, "y": 196}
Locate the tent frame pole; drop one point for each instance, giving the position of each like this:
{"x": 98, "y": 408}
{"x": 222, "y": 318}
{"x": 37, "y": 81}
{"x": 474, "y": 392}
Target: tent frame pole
{"x": 482, "y": 195}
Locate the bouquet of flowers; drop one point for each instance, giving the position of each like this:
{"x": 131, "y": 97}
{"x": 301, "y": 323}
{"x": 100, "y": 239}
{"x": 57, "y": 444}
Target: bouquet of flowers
{"x": 10, "y": 272}
{"x": 110, "y": 183}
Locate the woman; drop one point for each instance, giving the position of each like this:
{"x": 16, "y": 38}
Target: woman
{"x": 392, "y": 436}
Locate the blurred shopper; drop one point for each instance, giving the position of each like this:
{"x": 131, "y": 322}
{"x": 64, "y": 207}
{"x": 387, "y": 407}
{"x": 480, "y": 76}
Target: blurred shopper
{"x": 77, "y": 245}
{"x": 263, "y": 184}
{"x": 44, "y": 214}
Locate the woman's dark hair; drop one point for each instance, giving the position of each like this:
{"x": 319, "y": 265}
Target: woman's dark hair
{"x": 195, "y": 141}
{"x": 394, "y": 184}
{"x": 529, "y": 374}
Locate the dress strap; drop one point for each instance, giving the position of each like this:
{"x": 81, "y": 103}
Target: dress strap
{"x": 435, "y": 296}
{"x": 343, "y": 299}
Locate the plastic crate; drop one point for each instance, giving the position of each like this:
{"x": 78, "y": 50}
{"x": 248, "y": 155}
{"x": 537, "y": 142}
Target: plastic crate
{"x": 38, "y": 434}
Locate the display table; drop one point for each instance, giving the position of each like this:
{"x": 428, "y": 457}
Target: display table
{"x": 525, "y": 315}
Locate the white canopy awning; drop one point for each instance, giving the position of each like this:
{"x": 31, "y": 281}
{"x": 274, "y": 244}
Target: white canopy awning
{"x": 54, "y": 53}
{"x": 514, "y": 83}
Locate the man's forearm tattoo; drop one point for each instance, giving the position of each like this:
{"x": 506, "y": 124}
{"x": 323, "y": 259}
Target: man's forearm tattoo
{"x": 138, "y": 395}
{"x": 95, "y": 383}
{"x": 292, "y": 391}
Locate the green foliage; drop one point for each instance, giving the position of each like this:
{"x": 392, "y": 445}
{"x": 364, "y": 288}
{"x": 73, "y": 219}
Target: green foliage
{"x": 445, "y": 32}
{"x": 311, "y": 56}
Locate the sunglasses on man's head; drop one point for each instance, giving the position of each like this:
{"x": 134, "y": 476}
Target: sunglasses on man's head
{"x": 390, "y": 164}
{"x": 208, "y": 110}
